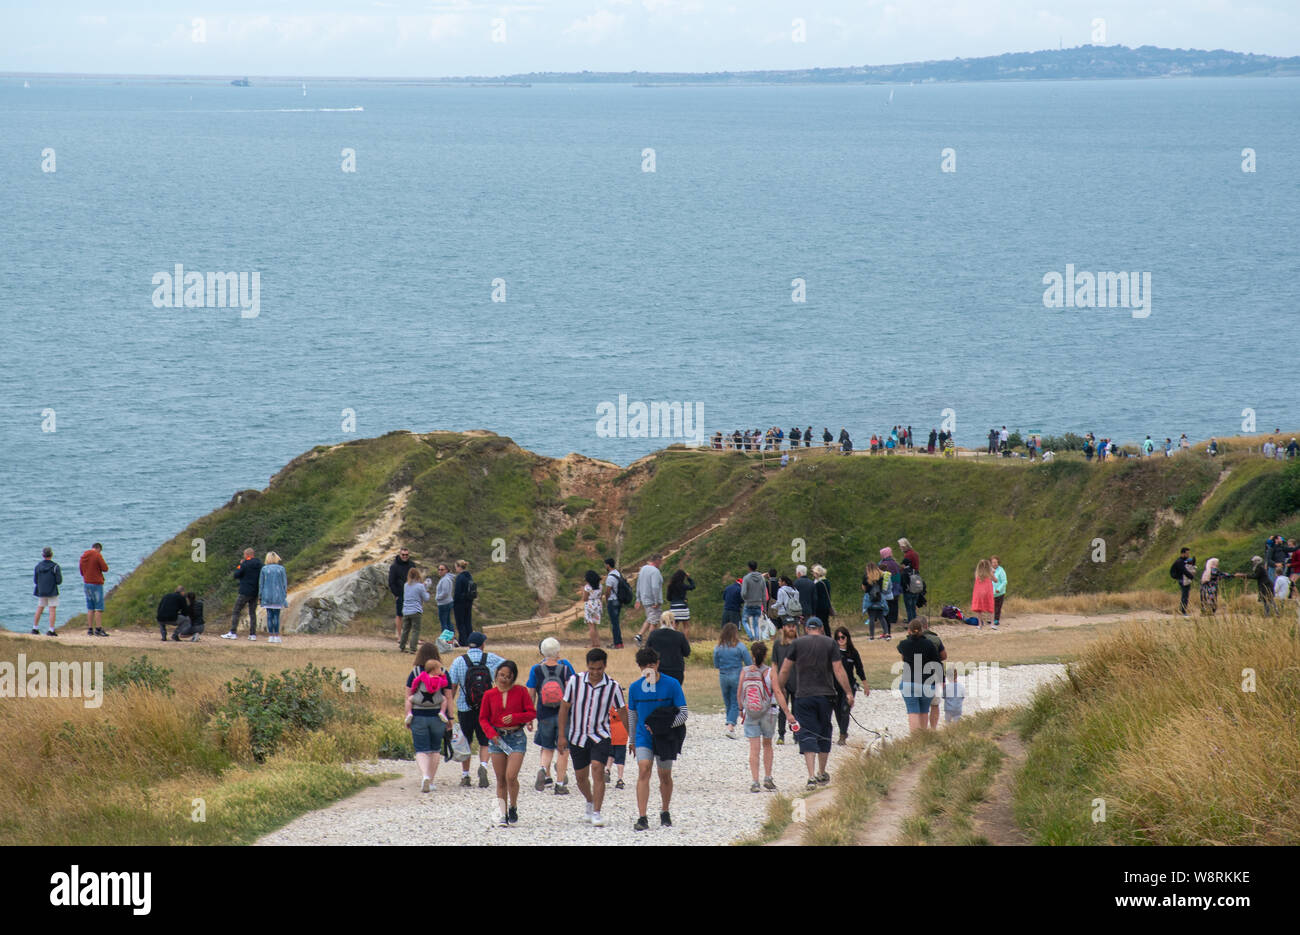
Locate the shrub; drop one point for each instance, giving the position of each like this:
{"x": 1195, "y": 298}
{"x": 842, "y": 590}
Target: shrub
{"x": 295, "y": 700}
{"x": 1067, "y": 442}
{"x": 140, "y": 672}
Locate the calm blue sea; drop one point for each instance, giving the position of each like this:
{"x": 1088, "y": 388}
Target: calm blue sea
{"x": 924, "y": 288}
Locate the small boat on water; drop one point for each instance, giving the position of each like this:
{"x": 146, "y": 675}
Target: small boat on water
{"x": 241, "y": 83}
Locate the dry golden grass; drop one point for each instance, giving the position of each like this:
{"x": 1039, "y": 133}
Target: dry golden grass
{"x": 1087, "y": 604}
{"x": 1187, "y": 729}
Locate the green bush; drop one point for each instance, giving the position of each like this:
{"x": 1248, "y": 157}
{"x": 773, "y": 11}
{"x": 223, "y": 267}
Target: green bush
{"x": 140, "y": 672}
{"x": 301, "y": 699}
{"x": 1067, "y": 442}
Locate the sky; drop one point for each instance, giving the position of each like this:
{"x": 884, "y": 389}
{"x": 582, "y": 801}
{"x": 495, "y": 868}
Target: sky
{"x": 439, "y": 38}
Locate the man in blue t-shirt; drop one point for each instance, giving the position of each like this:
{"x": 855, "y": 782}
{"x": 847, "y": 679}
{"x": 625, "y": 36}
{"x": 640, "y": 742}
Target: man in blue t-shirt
{"x": 467, "y": 714}
{"x": 646, "y": 695}
{"x": 550, "y": 668}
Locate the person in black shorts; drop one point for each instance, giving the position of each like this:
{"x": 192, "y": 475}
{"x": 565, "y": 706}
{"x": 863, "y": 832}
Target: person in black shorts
{"x": 589, "y": 698}
{"x": 816, "y": 659}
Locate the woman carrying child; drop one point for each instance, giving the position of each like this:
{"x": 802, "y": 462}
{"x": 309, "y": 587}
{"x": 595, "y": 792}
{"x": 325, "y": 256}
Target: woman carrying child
{"x": 427, "y": 700}
{"x": 506, "y": 711}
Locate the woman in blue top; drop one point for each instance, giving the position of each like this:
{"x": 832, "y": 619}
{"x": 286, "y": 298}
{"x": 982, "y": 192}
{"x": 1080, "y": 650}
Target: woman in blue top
{"x": 729, "y": 657}
{"x": 273, "y": 594}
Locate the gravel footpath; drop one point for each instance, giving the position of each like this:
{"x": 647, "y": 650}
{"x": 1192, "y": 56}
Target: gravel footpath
{"x": 711, "y": 801}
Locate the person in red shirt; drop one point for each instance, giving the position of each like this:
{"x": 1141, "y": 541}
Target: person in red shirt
{"x": 506, "y": 710}
{"x": 93, "y": 567}
{"x": 909, "y": 553}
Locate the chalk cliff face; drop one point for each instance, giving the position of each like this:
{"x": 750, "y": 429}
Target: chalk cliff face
{"x": 531, "y": 526}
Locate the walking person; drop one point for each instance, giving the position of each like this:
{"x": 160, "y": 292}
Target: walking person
{"x": 617, "y": 593}
{"x": 822, "y": 595}
{"x": 816, "y": 661}
{"x": 732, "y": 603}
{"x": 397, "y": 574}
{"x": 428, "y": 704}
{"x": 472, "y": 676}
{"x": 678, "y": 586}
{"x": 999, "y": 589}
{"x": 46, "y": 579}
{"x": 1183, "y": 571}
{"x": 874, "y": 603}
{"x": 464, "y": 593}
{"x": 171, "y": 611}
{"x": 506, "y": 710}
{"x": 920, "y": 675}
{"x": 943, "y": 657}
{"x": 650, "y": 595}
{"x": 547, "y": 680}
{"x": 657, "y": 714}
{"x": 852, "y": 663}
{"x": 248, "y": 573}
{"x": 729, "y": 657}
{"x": 414, "y": 595}
{"x": 273, "y": 592}
{"x": 591, "y": 606}
{"x": 895, "y": 585}
{"x": 93, "y": 567}
{"x": 753, "y": 595}
{"x": 672, "y": 646}
{"x": 760, "y": 701}
{"x": 442, "y": 597}
{"x": 1210, "y": 579}
{"x": 981, "y": 599}
{"x": 584, "y": 729}
{"x": 806, "y": 589}
{"x": 780, "y": 650}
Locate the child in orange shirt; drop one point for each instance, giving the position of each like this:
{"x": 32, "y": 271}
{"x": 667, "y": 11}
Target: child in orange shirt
{"x": 618, "y": 746}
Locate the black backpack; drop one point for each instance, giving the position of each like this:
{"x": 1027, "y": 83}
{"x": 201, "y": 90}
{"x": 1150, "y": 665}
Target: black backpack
{"x": 471, "y": 590}
{"x": 1176, "y": 571}
{"x": 624, "y": 591}
{"x": 478, "y": 680}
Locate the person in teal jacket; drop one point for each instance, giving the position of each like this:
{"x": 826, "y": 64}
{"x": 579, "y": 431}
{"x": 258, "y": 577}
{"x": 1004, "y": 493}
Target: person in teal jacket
{"x": 999, "y": 590}
{"x": 273, "y": 594}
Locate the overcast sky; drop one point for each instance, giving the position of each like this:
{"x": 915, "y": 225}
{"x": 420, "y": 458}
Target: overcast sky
{"x": 456, "y": 37}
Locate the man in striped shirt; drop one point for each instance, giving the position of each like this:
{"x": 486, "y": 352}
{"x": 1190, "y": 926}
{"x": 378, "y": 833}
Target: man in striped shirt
{"x": 584, "y": 729}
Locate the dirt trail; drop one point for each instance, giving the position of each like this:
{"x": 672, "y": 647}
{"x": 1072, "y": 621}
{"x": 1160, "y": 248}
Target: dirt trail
{"x": 994, "y": 818}
{"x": 792, "y": 836}
{"x": 886, "y": 821}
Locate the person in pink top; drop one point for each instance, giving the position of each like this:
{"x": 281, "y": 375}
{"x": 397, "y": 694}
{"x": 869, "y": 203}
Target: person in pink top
{"x": 981, "y": 600}
{"x": 506, "y": 710}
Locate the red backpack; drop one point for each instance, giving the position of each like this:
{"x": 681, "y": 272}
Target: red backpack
{"x": 754, "y": 691}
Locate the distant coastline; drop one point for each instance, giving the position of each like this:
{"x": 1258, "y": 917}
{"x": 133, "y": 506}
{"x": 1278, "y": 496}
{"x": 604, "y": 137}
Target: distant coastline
{"x": 1080, "y": 63}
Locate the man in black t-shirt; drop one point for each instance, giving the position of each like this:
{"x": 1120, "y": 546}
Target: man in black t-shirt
{"x": 672, "y": 647}
{"x": 815, "y": 659}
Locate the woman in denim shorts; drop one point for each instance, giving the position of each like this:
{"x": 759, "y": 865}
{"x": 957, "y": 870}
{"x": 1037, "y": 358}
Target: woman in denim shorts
{"x": 506, "y": 711}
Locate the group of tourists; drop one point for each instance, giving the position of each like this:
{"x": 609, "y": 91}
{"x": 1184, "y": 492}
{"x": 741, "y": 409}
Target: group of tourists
{"x": 898, "y": 438}
{"x": 454, "y": 596}
{"x": 46, "y": 579}
{"x": 1275, "y": 574}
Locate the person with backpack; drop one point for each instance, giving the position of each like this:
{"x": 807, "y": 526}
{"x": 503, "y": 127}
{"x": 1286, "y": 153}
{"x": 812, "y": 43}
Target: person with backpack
{"x": 760, "y": 701}
{"x": 618, "y": 594}
{"x": 874, "y": 604}
{"x": 729, "y": 657}
{"x": 1183, "y": 571}
{"x": 913, "y": 589}
{"x": 656, "y": 727}
{"x": 546, "y": 681}
{"x": 464, "y": 593}
{"x": 999, "y": 589}
{"x": 786, "y": 601}
{"x": 46, "y": 580}
{"x": 506, "y": 711}
{"x": 472, "y": 676}
{"x": 852, "y": 662}
{"x": 427, "y": 705}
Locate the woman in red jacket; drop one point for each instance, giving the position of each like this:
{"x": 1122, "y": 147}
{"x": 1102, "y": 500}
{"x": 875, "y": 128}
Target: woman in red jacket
{"x": 506, "y": 711}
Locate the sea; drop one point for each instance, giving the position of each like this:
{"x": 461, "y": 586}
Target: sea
{"x": 529, "y": 260}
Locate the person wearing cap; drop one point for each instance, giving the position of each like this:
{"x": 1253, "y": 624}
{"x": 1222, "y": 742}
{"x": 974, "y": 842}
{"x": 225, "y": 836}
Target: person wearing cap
{"x": 548, "y": 723}
{"x": 397, "y": 575}
{"x": 815, "y": 661}
{"x": 465, "y": 714}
